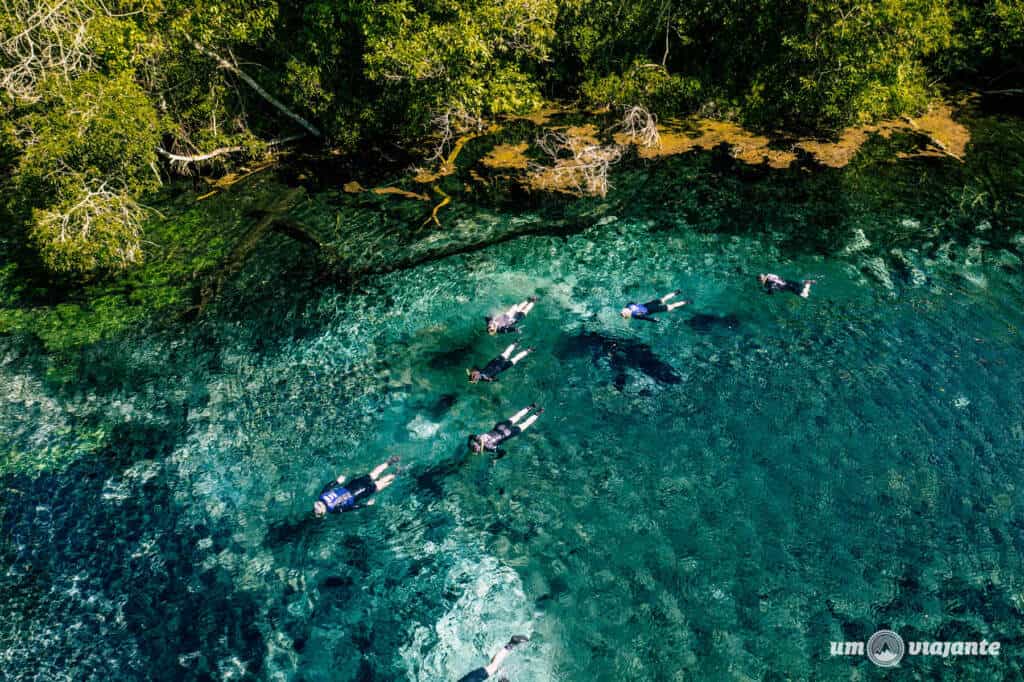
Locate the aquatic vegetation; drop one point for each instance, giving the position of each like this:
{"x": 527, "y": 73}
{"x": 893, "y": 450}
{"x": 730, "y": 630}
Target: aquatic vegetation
{"x": 694, "y": 488}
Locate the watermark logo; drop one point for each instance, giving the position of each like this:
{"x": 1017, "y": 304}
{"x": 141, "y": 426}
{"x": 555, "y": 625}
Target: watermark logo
{"x": 886, "y": 649}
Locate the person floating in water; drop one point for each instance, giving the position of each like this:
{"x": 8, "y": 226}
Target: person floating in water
{"x": 491, "y": 668}
{"x": 498, "y": 365}
{"x": 643, "y": 311}
{"x": 773, "y": 283}
{"x": 504, "y": 430}
{"x": 338, "y": 496}
{"x": 507, "y": 321}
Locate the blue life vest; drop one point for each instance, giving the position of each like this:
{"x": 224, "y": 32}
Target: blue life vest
{"x": 637, "y": 309}
{"x": 338, "y": 499}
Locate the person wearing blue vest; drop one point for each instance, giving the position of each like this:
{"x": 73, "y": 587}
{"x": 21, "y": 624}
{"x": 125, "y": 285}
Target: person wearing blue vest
{"x": 481, "y": 674}
{"x": 339, "y": 496}
{"x": 644, "y": 311}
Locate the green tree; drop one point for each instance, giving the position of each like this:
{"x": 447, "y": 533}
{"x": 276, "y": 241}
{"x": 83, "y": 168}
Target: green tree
{"x": 88, "y": 152}
{"x": 433, "y": 56}
{"x": 850, "y": 61}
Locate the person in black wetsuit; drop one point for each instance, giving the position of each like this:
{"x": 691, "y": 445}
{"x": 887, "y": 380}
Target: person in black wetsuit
{"x": 504, "y": 430}
{"x": 339, "y": 496}
{"x": 481, "y": 674}
{"x": 507, "y": 321}
{"x": 643, "y": 311}
{"x": 498, "y": 365}
{"x": 773, "y": 283}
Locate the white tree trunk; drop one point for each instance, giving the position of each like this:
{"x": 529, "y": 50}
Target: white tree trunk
{"x": 220, "y": 151}
{"x": 276, "y": 103}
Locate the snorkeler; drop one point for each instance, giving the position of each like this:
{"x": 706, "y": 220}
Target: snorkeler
{"x": 507, "y": 321}
{"x": 338, "y": 496}
{"x": 498, "y": 365}
{"x": 504, "y": 430}
{"x": 481, "y": 674}
{"x": 644, "y": 311}
{"x": 773, "y": 283}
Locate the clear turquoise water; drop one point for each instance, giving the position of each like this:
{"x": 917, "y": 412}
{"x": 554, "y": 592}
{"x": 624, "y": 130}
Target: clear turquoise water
{"x": 715, "y": 497}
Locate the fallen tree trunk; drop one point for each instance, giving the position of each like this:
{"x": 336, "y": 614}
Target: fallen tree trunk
{"x": 196, "y": 158}
{"x": 276, "y": 103}
{"x": 242, "y": 250}
{"x": 293, "y": 229}
{"x": 220, "y": 151}
{"x": 936, "y": 142}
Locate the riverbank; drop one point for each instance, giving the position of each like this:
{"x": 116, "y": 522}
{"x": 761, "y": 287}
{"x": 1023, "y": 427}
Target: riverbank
{"x": 971, "y": 154}
{"x": 938, "y": 132}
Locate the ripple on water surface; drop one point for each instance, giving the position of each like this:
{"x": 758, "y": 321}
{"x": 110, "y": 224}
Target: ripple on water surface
{"x": 718, "y": 495}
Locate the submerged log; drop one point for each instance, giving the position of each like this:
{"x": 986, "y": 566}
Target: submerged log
{"x": 295, "y": 230}
{"x": 244, "y": 248}
{"x": 400, "y": 192}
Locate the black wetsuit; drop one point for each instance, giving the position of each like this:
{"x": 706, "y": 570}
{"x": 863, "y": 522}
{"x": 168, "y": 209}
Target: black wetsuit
{"x": 506, "y": 323}
{"x": 494, "y": 368}
{"x": 501, "y": 432}
{"x": 478, "y": 675}
{"x": 771, "y": 286}
{"x": 343, "y": 497}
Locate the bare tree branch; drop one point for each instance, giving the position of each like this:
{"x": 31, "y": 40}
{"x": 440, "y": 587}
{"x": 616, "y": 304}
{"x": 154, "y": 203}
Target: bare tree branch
{"x": 185, "y": 159}
{"x": 450, "y": 125}
{"x": 668, "y": 24}
{"x": 641, "y": 126}
{"x": 579, "y": 167}
{"x": 107, "y": 218}
{"x": 276, "y": 103}
{"x": 51, "y": 38}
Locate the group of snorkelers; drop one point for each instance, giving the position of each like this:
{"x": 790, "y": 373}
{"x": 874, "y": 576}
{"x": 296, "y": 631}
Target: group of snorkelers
{"x": 340, "y": 495}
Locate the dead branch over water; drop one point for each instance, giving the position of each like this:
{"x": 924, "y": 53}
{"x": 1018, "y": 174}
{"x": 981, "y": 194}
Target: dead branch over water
{"x": 579, "y": 166}
{"x": 640, "y": 126}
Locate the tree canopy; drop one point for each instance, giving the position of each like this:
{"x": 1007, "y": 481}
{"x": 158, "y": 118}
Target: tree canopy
{"x": 102, "y": 99}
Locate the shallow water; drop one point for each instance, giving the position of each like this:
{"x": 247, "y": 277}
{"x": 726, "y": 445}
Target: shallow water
{"x": 717, "y": 496}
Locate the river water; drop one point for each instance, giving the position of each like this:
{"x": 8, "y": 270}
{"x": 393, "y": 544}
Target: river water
{"x": 717, "y": 496}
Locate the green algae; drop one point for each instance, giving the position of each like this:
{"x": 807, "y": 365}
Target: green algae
{"x": 182, "y": 247}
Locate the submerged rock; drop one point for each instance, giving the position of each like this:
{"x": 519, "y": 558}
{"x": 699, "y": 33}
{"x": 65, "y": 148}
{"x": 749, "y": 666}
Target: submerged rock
{"x": 876, "y": 268}
{"x": 422, "y": 429}
{"x": 858, "y": 243}
{"x": 913, "y": 275}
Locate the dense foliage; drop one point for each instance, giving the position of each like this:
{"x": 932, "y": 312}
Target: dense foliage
{"x": 101, "y": 99}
